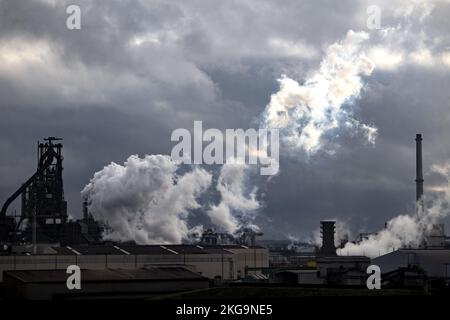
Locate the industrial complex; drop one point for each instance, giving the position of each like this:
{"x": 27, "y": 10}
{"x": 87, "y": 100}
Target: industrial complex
{"x": 38, "y": 246}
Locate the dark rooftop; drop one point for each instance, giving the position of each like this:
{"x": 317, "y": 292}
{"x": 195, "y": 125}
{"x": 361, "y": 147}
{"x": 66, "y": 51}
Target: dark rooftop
{"x": 91, "y": 249}
{"x": 145, "y": 249}
{"x": 185, "y": 248}
{"x": 63, "y": 251}
{"x": 149, "y": 273}
{"x": 126, "y": 249}
{"x": 343, "y": 259}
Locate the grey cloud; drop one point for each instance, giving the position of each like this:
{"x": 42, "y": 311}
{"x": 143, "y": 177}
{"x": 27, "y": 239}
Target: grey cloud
{"x": 217, "y": 62}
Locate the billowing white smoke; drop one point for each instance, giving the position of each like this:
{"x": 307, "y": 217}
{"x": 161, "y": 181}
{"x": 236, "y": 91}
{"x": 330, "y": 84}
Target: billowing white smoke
{"x": 306, "y": 112}
{"x": 234, "y": 202}
{"x": 405, "y": 230}
{"x": 145, "y": 200}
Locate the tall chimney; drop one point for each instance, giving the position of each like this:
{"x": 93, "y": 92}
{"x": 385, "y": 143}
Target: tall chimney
{"x": 419, "y": 174}
{"x": 327, "y": 230}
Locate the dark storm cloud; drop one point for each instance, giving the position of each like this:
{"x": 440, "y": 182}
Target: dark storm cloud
{"x": 139, "y": 69}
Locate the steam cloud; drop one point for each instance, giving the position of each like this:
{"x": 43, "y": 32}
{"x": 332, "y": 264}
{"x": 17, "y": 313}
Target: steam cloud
{"x": 406, "y": 230}
{"x": 145, "y": 200}
{"x": 306, "y": 113}
{"x": 232, "y": 190}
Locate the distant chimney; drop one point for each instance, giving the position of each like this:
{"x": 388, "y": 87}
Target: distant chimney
{"x": 85, "y": 209}
{"x": 419, "y": 174}
{"x": 327, "y": 231}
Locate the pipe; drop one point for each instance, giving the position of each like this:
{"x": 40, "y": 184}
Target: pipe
{"x": 45, "y": 162}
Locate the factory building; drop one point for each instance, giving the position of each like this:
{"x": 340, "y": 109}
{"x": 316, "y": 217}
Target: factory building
{"x": 38, "y": 254}
{"x": 431, "y": 260}
{"x": 286, "y": 258}
{"x": 38, "y": 245}
{"x": 117, "y": 283}
{"x": 215, "y": 262}
{"x": 434, "y": 262}
{"x": 324, "y": 268}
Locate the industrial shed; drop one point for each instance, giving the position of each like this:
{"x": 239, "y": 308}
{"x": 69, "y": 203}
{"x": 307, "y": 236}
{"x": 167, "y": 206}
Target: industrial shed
{"x": 227, "y": 262}
{"x": 107, "y": 283}
{"x": 435, "y": 262}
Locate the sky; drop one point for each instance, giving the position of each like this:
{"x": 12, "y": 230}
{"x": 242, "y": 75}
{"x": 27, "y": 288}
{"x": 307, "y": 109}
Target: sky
{"x": 137, "y": 70}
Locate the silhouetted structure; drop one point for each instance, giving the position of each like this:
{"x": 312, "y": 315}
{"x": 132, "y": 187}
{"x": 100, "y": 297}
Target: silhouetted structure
{"x": 44, "y": 207}
{"x": 42, "y": 194}
{"x": 43, "y": 199}
{"x": 327, "y": 230}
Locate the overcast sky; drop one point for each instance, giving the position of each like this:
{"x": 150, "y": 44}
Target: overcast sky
{"x": 137, "y": 70}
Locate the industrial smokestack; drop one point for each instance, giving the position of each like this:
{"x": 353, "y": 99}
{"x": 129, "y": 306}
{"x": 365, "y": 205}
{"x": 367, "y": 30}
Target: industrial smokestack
{"x": 419, "y": 174}
{"x": 327, "y": 231}
{"x": 85, "y": 209}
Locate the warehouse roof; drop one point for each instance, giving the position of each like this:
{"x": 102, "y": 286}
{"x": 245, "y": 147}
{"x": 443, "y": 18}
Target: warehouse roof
{"x": 145, "y": 249}
{"x": 339, "y": 259}
{"x": 185, "y": 248}
{"x": 127, "y": 249}
{"x": 153, "y": 273}
{"x": 90, "y": 249}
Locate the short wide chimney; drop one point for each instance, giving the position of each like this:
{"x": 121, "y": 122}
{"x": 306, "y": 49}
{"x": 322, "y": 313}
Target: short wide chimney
{"x": 327, "y": 231}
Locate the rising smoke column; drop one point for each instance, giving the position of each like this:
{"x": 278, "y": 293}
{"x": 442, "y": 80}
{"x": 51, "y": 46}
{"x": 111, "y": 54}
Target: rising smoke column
{"x": 231, "y": 186}
{"x": 306, "y": 112}
{"x": 406, "y": 230}
{"x": 140, "y": 200}
{"x": 144, "y": 199}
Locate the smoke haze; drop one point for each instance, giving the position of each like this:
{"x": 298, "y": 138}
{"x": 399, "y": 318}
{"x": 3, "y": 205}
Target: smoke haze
{"x": 406, "y": 230}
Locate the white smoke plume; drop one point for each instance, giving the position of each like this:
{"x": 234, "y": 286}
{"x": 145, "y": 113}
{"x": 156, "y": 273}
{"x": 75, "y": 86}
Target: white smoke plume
{"x": 306, "y": 112}
{"x": 235, "y": 209}
{"x": 406, "y": 230}
{"x": 144, "y": 199}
